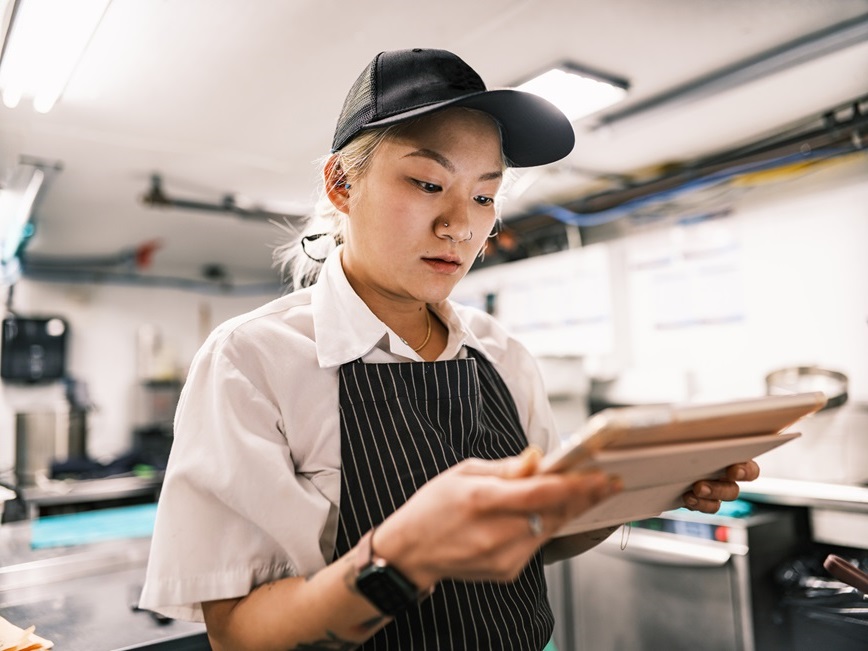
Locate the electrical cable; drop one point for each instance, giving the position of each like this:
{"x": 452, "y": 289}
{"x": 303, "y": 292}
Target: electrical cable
{"x": 629, "y": 207}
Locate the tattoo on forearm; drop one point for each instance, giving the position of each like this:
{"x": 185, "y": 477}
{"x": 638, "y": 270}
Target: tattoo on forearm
{"x": 332, "y": 642}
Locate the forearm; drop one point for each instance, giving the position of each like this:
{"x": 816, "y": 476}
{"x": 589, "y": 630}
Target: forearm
{"x": 322, "y": 611}
{"x": 557, "y": 549}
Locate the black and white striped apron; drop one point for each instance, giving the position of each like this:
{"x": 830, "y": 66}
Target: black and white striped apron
{"x": 402, "y": 424}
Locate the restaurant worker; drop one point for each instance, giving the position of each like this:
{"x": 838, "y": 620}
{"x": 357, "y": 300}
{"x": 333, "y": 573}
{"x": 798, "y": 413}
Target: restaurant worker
{"x": 353, "y": 463}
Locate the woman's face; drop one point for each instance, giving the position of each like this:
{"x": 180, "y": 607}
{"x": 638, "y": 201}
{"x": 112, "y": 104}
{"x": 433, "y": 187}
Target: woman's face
{"x": 422, "y": 211}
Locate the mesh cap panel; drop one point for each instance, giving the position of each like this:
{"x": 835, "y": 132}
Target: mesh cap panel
{"x": 358, "y": 108}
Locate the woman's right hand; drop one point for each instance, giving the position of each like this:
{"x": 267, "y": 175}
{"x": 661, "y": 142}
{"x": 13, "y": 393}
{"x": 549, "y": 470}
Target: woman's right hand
{"x": 472, "y": 522}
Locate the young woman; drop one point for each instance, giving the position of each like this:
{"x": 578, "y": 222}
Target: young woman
{"x": 353, "y": 463}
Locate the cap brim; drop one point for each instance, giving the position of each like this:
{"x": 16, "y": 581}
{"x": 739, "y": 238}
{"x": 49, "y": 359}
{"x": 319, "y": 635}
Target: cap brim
{"x": 535, "y": 131}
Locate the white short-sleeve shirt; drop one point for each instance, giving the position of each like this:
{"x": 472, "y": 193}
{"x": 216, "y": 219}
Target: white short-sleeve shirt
{"x": 252, "y": 489}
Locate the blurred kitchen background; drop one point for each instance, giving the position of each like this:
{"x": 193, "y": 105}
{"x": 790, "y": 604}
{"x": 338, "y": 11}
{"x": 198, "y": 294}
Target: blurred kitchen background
{"x": 707, "y": 239}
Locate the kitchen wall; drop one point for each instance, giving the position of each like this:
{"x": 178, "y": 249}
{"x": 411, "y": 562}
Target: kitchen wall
{"x": 781, "y": 282}
{"x": 106, "y": 323}
{"x": 696, "y": 311}
{"x": 703, "y": 310}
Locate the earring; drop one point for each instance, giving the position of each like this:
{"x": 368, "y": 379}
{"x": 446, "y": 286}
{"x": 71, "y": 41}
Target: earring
{"x": 347, "y": 186}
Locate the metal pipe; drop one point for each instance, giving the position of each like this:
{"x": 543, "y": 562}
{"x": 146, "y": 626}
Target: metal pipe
{"x": 94, "y": 277}
{"x": 777, "y": 59}
{"x": 839, "y": 134}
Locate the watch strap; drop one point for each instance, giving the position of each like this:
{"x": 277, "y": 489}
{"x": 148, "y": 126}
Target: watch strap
{"x": 381, "y": 583}
{"x": 365, "y": 551}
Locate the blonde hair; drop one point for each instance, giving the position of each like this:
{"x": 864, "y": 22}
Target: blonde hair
{"x": 326, "y": 223}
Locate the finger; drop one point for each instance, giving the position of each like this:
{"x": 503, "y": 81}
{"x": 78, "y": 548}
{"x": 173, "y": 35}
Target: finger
{"x": 528, "y": 462}
{"x": 716, "y": 490}
{"x": 494, "y": 489}
{"x": 747, "y": 471}
{"x": 567, "y": 494}
{"x": 698, "y": 504}
{"x": 522, "y": 465}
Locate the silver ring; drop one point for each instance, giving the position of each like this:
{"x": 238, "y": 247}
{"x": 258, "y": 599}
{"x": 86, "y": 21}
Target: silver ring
{"x": 535, "y": 523}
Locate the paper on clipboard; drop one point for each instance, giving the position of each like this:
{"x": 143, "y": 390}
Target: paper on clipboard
{"x": 659, "y": 454}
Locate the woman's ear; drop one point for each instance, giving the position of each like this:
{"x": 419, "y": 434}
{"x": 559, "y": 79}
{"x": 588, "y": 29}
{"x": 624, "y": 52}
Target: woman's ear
{"x": 336, "y": 186}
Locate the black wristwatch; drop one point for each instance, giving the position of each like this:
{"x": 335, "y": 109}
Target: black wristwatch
{"x": 384, "y": 586}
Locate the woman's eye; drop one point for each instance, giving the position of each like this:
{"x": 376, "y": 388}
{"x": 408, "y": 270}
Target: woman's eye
{"x": 483, "y": 201}
{"x": 427, "y": 187}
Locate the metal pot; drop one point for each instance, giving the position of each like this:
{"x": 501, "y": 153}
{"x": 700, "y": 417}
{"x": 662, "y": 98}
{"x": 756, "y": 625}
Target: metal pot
{"x": 833, "y": 446}
{"x": 801, "y": 379}
{"x": 44, "y": 437}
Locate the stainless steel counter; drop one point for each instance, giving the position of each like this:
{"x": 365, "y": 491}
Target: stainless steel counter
{"x": 82, "y": 491}
{"x": 795, "y": 492}
{"x": 81, "y": 597}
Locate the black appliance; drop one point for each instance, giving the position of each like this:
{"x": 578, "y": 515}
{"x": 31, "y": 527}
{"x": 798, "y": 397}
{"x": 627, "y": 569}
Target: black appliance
{"x": 820, "y": 611}
{"x": 33, "y": 349}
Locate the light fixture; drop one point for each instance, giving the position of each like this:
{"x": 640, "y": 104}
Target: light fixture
{"x": 794, "y": 53}
{"x": 45, "y": 42}
{"x": 577, "y": 90}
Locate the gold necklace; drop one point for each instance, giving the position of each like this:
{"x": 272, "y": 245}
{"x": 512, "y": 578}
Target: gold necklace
{"x": 427, "y": 334}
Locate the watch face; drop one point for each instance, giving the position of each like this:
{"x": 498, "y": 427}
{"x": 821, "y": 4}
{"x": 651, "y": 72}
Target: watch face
{"x": 386, "y": 588}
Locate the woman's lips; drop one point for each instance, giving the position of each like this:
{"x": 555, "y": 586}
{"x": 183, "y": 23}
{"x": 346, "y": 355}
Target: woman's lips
{"x": 443, "y": 265}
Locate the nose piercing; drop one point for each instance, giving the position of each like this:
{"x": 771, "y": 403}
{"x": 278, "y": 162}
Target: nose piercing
{"x": 452, "y": 239}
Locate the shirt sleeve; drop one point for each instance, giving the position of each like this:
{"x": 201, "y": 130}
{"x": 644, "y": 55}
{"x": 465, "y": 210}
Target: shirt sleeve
{"x": 521, "y": 373}
{"x": 231, "y": 500}
{"x": 531, "y": 398}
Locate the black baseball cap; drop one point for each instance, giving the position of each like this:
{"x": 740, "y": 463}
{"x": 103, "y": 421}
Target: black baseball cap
{"x": 400, "y": 85}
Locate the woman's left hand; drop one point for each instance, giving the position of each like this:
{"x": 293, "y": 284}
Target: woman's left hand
{"x": 707, "y": 494}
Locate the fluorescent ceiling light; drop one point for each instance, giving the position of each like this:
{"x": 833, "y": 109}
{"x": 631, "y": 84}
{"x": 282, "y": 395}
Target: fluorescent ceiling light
{"x": 577, "y": 91}
{"x": 45, "y": 43}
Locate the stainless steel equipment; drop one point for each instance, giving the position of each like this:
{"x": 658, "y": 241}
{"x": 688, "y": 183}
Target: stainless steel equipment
{"x": 80, "y": 596}
{"x": 683, "y": 581}
{"x": 42, "y": 437}
{"x": 833, "y": 447}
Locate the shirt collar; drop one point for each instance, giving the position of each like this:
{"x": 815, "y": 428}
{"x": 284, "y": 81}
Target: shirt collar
{"x": 347, "y": 330}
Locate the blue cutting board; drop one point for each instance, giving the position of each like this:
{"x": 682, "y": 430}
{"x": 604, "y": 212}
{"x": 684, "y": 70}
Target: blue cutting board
{"x": 93, "y": 526}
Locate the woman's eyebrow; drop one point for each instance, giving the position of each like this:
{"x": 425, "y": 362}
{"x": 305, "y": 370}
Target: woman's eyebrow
{"x": 441, "y": 160}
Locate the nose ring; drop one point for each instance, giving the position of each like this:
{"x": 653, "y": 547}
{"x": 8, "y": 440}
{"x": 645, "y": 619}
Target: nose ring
{"x": 445, "y": 225}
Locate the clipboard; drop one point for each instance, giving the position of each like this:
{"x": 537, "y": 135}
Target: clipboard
{"x": 659, "y": 451}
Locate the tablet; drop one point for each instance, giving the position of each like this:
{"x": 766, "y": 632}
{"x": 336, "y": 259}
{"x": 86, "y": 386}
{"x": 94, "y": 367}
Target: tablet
{"x": 661, "y": 450}
{"x": 656, "y": 425}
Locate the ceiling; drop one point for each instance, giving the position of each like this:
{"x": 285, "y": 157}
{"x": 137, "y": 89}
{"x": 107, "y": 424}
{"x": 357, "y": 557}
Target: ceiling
{"x": 237, "y": 97}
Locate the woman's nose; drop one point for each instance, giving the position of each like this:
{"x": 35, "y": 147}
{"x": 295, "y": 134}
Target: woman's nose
{"x": 454, "y": 225}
